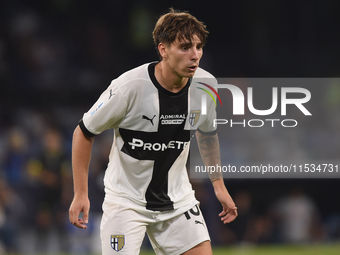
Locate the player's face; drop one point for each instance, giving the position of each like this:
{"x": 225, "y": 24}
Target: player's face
{"x": 183, "y": 57}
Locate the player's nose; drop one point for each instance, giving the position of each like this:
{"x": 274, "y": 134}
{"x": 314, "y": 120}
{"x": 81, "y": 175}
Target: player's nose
{"x": 194, "y": 54}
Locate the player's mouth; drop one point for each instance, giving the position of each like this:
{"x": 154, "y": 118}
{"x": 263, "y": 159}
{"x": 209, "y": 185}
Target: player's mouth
{"x": 192, "y": 68}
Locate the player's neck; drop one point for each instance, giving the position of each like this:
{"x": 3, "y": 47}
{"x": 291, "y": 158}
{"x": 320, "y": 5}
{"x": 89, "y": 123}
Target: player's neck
{"x": 169, "y": 79}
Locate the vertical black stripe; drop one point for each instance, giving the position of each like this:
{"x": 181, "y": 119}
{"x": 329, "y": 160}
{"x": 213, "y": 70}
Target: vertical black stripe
{"x": 157, "y": 193}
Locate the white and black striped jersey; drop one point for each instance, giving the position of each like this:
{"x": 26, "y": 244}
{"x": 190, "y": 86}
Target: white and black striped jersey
{"x": 152, "y": 130}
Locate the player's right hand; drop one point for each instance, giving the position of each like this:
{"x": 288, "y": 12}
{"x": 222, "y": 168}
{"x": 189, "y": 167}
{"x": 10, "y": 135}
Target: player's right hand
{"x": 79, "y": 205}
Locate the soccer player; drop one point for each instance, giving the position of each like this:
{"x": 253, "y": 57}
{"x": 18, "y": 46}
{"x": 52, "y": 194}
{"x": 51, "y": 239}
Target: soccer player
{"x": 153, "y": 110}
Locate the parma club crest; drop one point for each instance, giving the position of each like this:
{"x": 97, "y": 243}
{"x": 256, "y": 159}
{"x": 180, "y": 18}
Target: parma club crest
{"x": 117, "y": 242}
{"x": 194, "y": 117}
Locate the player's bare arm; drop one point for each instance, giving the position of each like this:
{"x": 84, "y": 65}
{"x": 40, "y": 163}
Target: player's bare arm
{"x": 81, "y": 156}
{"x": 210, "y": 152}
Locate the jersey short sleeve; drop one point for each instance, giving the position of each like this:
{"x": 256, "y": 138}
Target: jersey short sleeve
{"x": 208, "y": 125}
{"x": 108, "y": 112}
{"x": 206, "y": 83}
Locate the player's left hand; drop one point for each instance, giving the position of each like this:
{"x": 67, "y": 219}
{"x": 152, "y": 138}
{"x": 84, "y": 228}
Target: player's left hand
{"x": 229, "y": 212}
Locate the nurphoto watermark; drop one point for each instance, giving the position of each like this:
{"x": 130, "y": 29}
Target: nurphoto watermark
{"x": 273, "y": 127}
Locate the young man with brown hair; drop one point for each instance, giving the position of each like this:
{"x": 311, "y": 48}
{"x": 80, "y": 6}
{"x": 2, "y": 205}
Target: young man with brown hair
{"x": 151, "y": 110}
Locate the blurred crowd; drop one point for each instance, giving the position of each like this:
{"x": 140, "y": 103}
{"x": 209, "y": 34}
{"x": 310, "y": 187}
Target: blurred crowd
{"x": 36, "y": 190}
{"x": 56, "y": 57}
{"x": 291, "y": 218}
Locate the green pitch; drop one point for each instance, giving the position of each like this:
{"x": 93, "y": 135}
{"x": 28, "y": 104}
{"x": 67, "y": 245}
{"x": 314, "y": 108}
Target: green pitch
{"x": 312, "y": 249}
{"x": 332, "y": 249}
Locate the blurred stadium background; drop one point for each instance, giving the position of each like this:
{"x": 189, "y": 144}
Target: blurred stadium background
{"x": 57, "y": 56}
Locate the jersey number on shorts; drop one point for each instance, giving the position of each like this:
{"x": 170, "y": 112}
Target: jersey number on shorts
{"x": 196, "y": 213}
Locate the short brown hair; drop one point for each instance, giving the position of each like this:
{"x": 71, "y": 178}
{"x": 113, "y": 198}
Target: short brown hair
{"x": 178, "y": 25}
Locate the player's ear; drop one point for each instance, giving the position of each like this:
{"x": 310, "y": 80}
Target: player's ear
{"x": 163, "y": 50}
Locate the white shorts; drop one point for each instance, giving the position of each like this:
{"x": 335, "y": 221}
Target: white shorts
{"x": 122, "y": 230}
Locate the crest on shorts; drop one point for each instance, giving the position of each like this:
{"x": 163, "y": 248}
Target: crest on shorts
{"x": 194, "y": 117}
{"x": 117, "y": 242}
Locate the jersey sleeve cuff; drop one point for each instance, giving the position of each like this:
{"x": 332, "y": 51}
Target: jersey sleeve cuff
{"x": 207, "y": 133}
{"x": 85, "y": 130}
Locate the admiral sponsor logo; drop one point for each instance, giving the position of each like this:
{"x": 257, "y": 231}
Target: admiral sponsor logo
{"x": 168, "y": 119}
{"x": 138, "y": 143}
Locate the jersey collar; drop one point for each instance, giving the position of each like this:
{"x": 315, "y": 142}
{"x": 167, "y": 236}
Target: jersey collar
{"x": 151, "y": 70}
